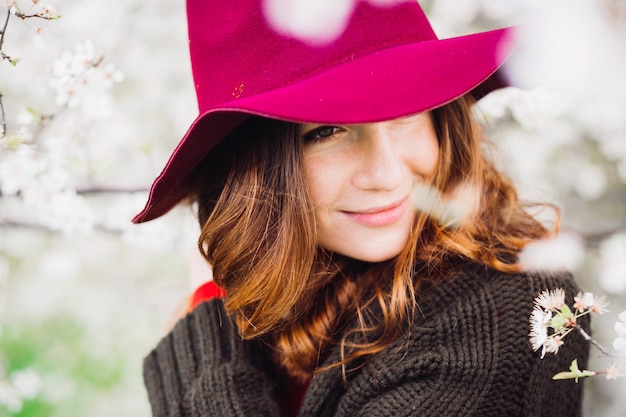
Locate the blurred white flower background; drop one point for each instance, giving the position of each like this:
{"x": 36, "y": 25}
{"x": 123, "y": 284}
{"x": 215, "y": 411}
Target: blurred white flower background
{"x": 94, "y": 102}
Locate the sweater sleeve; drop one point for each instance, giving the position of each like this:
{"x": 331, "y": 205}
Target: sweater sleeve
{"x": 203, "y": 368}
{"x": 468, "y": 355}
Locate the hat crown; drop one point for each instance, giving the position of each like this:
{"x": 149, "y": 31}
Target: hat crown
{"x": 236, "y": 53}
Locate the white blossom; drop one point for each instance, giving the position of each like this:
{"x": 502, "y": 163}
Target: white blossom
{"x": 583, "y": 300}
{"x": 12, "y": 4}
{"x": 79, "y": 80}
{"x": 564, "y": 251}
{"x": 496, "y": 105}
{"x": 384, "y": 3}
{"x": 538, "y": 335}
{"x": 613, "y": 373}
{"x": 552, "y": 345}
{"x": 113, "y": 75}
{"x": 587, "y": 301}
{"x": 551, "y": 300}
{"x": 27, "y": 383}
{"x": 40, "y": 37}
{"x": 317, "y": 22}
{"x": 599, "y": 305}
{"x": 20, "y": 169}
{"x": 452, "y": 210}
{"x": 14, "y": 140}
{"x": 449, "y": 14}
{"x": 48, "y": 10}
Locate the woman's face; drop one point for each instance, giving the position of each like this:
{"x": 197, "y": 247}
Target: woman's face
{"x": 360, "y": 178}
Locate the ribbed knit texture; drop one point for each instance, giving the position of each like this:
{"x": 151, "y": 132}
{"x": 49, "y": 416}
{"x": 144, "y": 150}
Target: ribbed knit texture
{"x": 466, "y": 354}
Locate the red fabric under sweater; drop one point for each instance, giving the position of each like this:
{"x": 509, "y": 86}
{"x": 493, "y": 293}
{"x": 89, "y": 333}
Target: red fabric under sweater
{"x": 290, "y": 392}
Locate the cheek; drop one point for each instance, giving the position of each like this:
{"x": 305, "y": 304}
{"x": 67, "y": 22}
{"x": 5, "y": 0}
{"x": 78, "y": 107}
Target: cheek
{"x": 425, "y": 156}
{"x": 325, "y": 179}
{"x": 315, "y": 182}
{"x": 431, "y": 158}
{"x": 327, "y": 194}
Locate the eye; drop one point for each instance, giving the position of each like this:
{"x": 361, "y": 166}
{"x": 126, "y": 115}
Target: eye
{"x": 320, "y": 134}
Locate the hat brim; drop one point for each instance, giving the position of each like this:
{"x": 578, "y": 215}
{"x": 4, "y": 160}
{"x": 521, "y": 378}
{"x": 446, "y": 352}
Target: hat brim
{"x": 383, "y": 85}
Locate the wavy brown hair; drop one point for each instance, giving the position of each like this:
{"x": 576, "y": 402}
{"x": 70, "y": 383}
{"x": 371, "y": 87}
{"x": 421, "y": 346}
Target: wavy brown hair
{"x": 259, "y": 234}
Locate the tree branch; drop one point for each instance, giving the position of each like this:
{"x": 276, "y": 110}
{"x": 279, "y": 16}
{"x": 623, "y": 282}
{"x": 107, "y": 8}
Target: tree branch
{"x": 109, "y": 190}
{"x": 4, "y": 56}
{"x": 4, "y": 28}
{"x": 12, "y": 224}
{"x": 601, "y": 348}
{"x": 25, "y": 16}
{"x": 2, "y": 117}
{"x": 92, "y": 190}
{"x": 2, "y": 33}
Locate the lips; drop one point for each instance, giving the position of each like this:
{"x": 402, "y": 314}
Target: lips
{"x": 379, "y": 216}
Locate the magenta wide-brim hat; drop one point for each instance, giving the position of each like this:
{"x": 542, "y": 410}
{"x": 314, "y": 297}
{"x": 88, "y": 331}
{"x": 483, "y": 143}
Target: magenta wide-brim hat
{"x": 349, "y": 81}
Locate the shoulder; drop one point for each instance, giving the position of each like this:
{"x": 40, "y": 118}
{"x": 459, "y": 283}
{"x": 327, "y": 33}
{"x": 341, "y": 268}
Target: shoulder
{"x": 480, "y": 284}
{"x": 497, "y": 303}
{"x": 469, "y": 342}
{"x": 486, "y": 309}
{"x": 477, "y": 293}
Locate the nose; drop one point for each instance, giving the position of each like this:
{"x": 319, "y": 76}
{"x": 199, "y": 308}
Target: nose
{"x": 379, "y": 166}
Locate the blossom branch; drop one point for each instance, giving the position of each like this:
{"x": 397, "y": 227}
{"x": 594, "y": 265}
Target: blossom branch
{"x": 37, "y": 15}
{"x": 598, "y": 346}
{"x": 3, "y": 117}
{"x": 552, "y": 319}
{"x": 109, "y": 190}
{"x": 106, "y": 190}
{"x": 4, "y": 28}
{"x": 2, "y": 33}
{"x": 48, "y": 12}
{"x": 10, "y": 224}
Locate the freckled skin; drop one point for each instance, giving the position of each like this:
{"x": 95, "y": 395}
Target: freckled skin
{"x": 360, "y": 178}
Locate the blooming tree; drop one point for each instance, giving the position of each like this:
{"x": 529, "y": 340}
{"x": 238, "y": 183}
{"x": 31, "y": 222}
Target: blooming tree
{"x": 76, "y": 154}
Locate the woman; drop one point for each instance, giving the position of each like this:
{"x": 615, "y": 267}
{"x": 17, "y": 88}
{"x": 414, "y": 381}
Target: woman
{"x": 346, "y": 283}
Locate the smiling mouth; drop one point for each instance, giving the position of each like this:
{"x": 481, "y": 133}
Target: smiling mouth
{"x": 381, "y": 216}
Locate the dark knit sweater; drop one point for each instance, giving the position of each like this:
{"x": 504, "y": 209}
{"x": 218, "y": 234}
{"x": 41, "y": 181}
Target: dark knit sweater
{"x": 466, "y": 354}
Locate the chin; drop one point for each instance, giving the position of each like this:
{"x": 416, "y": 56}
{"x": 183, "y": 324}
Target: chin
{"x": 372, "y": 255}
{"x": 373, "y": 247}
{"x": 376, "y": 258}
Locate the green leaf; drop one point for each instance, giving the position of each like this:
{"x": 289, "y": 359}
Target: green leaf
{"x": 574, "y": 372}
{"x": 566, "y": 312}
{"x": 562, "y": 319}
{"x": 557, "y": 323}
